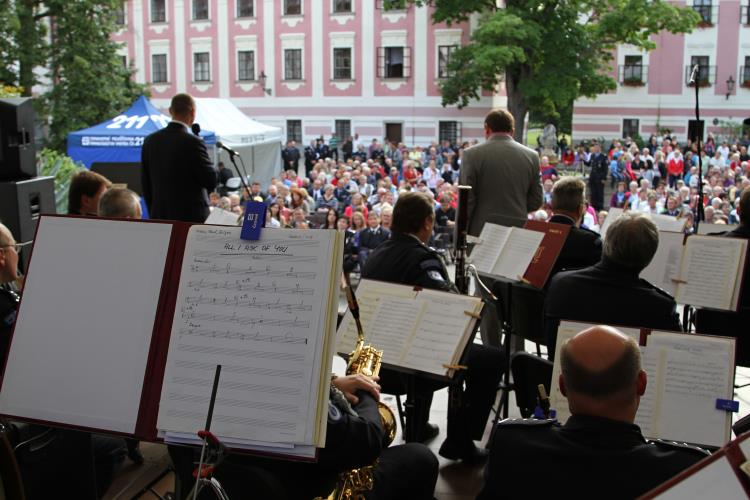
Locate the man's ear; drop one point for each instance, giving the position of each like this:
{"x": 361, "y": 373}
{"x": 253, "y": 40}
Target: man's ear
{"x": 563, "y": 389}
{"x": 641, "y": 383}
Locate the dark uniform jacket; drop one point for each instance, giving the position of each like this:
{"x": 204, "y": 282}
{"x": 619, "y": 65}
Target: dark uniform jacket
{"x": 405, "y": 259}
{"x": 599, "y": 168}
{"x": 177, "y": 174}
{"x": 730, "y": 323}
{"x": 582, "y": 247}
{"x": 9, "y": 300}
{"x": 372, "y": 238}
{"x": 588, "y": 457}
{"x": 607, "y": 293}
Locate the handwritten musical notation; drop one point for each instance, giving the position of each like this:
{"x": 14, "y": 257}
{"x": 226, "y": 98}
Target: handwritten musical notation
{"x": 257, "y": 307}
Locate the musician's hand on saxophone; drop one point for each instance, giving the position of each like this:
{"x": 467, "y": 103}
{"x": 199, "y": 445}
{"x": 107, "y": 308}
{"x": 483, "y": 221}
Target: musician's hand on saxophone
{"x": 350, "y": 384}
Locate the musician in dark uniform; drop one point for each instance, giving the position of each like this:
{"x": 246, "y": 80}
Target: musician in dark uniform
{"x": 406, "y": 259}
{"x": 730, "y": 323}
{"x": 611, "y": 291}
{"x": 599, "y": 452}
{"x": 354, "y": 439}
{"x": 582, "y": 247}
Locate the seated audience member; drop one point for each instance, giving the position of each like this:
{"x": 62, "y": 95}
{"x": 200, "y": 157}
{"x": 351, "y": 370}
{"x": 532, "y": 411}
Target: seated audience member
{"x": 354, "y": 438}
{"x": 582, "y": 247}
{"x": 587, "y": 456}
{"x": 611, "y": 291}
{"x": 405, "y": 258}
{"x": 445, "y": 215}
{"x": 120, "y": 202}
{"x": 86, "y": 187}
{"x": 619, "y": 198}
{"x": 729, "y": 323}
{"x": 371, "y": 237}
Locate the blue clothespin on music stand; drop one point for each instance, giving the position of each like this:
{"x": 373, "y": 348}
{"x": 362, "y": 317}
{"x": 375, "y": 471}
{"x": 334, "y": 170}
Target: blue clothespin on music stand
{"x": 253, "y": 220}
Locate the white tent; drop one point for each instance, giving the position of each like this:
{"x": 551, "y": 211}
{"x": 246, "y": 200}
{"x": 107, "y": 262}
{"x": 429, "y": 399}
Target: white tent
{"x": 258, "y": 145}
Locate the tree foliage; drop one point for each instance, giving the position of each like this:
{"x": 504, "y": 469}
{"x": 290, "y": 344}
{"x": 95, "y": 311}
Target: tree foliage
{"x": 548, "y": 52}
{"x": 87, "y": 81}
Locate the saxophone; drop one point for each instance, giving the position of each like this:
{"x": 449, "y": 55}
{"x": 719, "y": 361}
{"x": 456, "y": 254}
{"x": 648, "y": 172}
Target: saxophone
{"x": 364, "y": 359}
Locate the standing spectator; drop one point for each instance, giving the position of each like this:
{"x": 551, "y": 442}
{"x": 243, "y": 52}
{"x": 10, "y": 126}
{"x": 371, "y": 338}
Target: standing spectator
{"x": 311, "y": 157}
{"x": 675, "y": 168}
{"x": 290, "y": 155}
{"x": 333, "y": 146}
{"x": 598, "y": 176}
{"x": 347, "y": 148}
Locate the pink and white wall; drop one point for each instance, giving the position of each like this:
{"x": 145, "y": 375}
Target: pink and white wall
{"x": 368, "y": 101}
{"x": 665, "y": 101}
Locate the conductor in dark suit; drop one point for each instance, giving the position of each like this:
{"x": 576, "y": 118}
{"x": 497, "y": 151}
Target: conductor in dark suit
{"x": 582, "y": 247}
{"x": 503, "y": 174}
{"x": 731, "y": 323}
{"x": 611, "y": 291}
{"x": 177, "y": 173}
{"x": 598, "y": 176}
{"x": 599, "y": 452}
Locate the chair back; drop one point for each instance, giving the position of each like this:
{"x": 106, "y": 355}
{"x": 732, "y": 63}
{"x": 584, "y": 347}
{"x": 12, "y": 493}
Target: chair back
{"x": 528, "y": 372}
{"x": 527, "y": 312}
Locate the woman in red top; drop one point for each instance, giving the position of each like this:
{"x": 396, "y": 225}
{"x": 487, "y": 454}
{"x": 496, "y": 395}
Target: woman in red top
{"x": 675, "y": 168}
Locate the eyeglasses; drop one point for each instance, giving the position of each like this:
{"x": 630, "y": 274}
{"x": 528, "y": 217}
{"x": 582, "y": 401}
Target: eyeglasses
{"x": 18, "y": 246}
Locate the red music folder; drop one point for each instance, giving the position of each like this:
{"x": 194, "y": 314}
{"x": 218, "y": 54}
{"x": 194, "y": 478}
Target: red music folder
{"x": 549, "y": 249}
{"x": 123, "y": 322}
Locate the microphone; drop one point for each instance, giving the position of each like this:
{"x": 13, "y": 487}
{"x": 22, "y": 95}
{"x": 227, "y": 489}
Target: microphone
{"x": 196, "y": 129}
{"x": 694, "y": 74}
{"x": 232, "y": 152}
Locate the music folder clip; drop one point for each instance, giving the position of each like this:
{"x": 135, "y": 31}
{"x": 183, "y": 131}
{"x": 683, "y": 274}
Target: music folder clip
{"x": 524, "y": 280}
{"x": 473, "y": 314}
{"x": 727, "y": 405}
{"x": 677, "y": 280}
{"x": 455, "y": 367}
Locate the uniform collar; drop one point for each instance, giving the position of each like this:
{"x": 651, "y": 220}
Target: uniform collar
{"x": 604, "y": 425}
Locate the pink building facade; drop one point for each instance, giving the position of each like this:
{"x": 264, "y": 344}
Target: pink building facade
{"x": 312, "y": 67}
{"x": 652, "y": 92}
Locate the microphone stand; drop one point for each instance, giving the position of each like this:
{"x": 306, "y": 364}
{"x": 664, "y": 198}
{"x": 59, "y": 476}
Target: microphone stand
{"x": 699, "y": 212}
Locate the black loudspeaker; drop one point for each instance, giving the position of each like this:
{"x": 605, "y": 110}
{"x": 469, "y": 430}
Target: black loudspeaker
{"x": 21, "y": 204}
{"x": 17, "y": 151}
{"x": 695, "y": 130}
{"x": 121, "y": 173}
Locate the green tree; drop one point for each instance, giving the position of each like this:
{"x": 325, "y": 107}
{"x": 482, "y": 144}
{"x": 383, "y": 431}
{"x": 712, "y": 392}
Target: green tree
{"x": 88, "y": 82}
{"x": 548, "y": 52}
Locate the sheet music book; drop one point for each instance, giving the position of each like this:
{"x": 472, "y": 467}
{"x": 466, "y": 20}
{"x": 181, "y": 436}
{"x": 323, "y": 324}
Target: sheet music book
{"x": 422, "y": 330}
{"x": 664, "y": 268}
{"x": 222, "y": 217}
{"x": 711, "y": 271}
{"x": 706, "y": 228}
{"x": 122, "y": 324}
{"x": 663, "y": 222}
{"x": 721, "y": 476}
{"x": 505, "y": 251}
{"x": 549, "y": 250}
{"x": 686, "y": 375}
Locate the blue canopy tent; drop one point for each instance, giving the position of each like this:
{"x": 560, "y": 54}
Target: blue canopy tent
{"x": 119, "y": 140}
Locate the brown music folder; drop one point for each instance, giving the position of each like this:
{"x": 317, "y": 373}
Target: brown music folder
{"x": 549, "y": 250}
{"x": 122, "y": 323}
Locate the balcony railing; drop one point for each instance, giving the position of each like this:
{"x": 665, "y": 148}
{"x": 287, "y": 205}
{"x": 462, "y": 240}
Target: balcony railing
{"x": 706, "y": 75}
{"x": 632, "y": 75}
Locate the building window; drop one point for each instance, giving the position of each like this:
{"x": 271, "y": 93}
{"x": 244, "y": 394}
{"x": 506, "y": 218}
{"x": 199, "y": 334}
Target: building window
{"x": 391, "y": 4}
{"x": 342, "y": 6}
{"x": 159, "y": 68}
{"x": 394, "y": 62}
{"x": 292, "y": 64}
{"x": 444, "y": 58}
{"x": 245, "y": 8}
{"x": 745, "y": 15}
{"x": 200, "y": 10}
{"x": 245, "y": 65}
{"x": 705, "y": 10}
{"x": 124, "y": 60}
{"x": 294, "y": 131}
{"x": 343, "y": 129}
{"x": 745, "y": 73}
{"x": 342, "y": 63}
{"x": 706, "y": 73}
{"x": 201, "y": 67}
{"x": 632, "y": 71}
{"x": 292, "y": 7}
{"x": 450, "y": 131}
{"x": 120, "y": 15}
{"x": 158, "y": 11}
{"x": 630, "y": 127}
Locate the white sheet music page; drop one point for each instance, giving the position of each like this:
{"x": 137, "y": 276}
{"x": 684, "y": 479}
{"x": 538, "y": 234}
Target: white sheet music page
{"x": 516, "y": 255}
{"x": 258, "y": 308}
{"x": 716, "y": 481}
{"x": 668, "y": 223}
{"x": 612, "y": 215}
{"x": 492, "y": 240}
{"x": 566, "y": 331}
{"x": 664, "y": 268}
{"x": 82, "y": 338}
{"x": 696, "y": 371}
{"x": 710, "y": 268}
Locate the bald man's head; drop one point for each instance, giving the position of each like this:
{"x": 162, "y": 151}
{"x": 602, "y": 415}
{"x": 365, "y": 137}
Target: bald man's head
{"x": 600, "y": 363}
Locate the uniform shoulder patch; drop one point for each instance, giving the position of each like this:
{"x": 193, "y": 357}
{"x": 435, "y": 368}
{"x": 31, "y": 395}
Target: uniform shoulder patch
{"x": 334, "y": 414}
{"x": 675, "y": 445}
{"x": 431, "y": 264}
{"x": 526, "y": 422}
{"x": 435, "y": 275}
